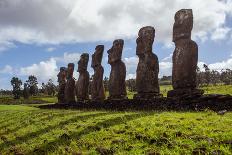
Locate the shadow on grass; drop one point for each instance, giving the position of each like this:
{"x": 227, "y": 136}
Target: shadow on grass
{"x": 24, "y": 123}
{"x": 22, "y": 117}
{"x": 65, "y": 140}
{"x": 10, "y": 115}
{"x": 23, "y": 139}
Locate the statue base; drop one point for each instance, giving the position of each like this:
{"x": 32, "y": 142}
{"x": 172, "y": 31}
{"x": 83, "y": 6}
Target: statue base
{"x": 118, "y": 97}
{"x": 147, "y": 96}
{"x": 185, "y": 93}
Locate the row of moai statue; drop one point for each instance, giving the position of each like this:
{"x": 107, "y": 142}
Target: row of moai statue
{"x": 185, "y": 60}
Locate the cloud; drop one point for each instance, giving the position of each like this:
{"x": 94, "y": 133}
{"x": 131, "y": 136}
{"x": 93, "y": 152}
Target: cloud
{"x": 49, "y": 69}
{"x": 50, "y": 49}
{"x": 226, "y": 64}
{"x": 168, "y": 58}
{"x": 43, "y": 71}
{"x": 66, "y": 21}
{"x": 220, "y": 33}
{"x": 6, "y": 70}
{"x": 69, "y": 58}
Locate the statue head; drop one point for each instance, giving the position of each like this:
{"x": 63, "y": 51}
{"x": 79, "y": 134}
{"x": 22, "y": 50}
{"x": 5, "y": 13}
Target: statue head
{"x": 183, "y": 24}
{"x": 145, "y": 40}
{"x": 97, "y": 56}
{"x": 70, "y": 70}
{"x": 115, "y": 53}
{"x": 83, "y": 62}
{"x": 62, "y": 74}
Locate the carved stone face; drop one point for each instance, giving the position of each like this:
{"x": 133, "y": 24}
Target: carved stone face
{"x": 97, "y": 56}
{"x": 83, "y": 62}
{"x": 145, "y": 40}
{"x": 183, "y": 24}
{"x": 70, "y": 70}
{"x": 115, "y": 53}
{"x": 63, "y": 73}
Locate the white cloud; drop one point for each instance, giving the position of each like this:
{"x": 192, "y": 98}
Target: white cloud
{"x": 69, "y": 58}
{"x": 50, "y": 49}
{"x": 6, "y": 70}
{"x": 43, "y": 71}
{"x": 226, "y": 64}
{"x": 220, "y": 33}
{"x": 168, "y": 58}
{"x": 65, "y": 21}
{"x": 165, "y": 68}
{"x": 49, "y": 69}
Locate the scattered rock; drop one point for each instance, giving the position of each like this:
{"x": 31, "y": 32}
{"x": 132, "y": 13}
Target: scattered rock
{"x": 152, "y": 153}
{"x": 199, "y": 151}
{"x": 222, "y": 112}
{"x": 104, "y": 151}
{"x": 216, "y": 152}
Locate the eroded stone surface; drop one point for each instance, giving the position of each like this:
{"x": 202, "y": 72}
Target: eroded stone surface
{"x": 70, "y": 85}
{"x": 117, "y": 84}
{"x": 148, "y": 67}
{"x": 185, "y": 57}
{"x": 97, "y": 88}
{"x": 62, "y": 82}
{"x": 82, "y": 85}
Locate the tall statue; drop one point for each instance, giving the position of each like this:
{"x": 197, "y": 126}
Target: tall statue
{"x": 185, "y": 57}
{"x": 117, "y": 85}
{"x": 97, "y": 88}
{"x": 82, "y": 85}
{"x": 62, "y": 83}
{"x": 148, "y": 67}
{"x": 70, "y": 85}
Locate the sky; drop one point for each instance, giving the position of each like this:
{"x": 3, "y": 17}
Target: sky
{"x": 37, "y": 37}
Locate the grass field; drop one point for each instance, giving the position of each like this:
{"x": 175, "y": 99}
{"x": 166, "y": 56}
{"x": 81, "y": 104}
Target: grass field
{"x": 29, "y": 130}
{"x": 25, "y": 129}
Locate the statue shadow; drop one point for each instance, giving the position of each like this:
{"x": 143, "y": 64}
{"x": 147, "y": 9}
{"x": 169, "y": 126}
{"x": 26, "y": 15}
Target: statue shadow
{"x": 25, "y": 138}
{"x": 65, "y": 139}
{"x": 24, "y": 124}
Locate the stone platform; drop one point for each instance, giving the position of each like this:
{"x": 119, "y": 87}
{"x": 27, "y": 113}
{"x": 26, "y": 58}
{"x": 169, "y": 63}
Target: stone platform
{"x": 213, "y": 102}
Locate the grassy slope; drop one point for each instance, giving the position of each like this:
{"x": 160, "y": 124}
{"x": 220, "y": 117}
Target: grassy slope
{"x": 30, "y": 130}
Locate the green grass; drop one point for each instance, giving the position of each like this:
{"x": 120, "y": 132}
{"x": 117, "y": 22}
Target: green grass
{"x": 28, "y": 130}
{"x": 31, "y": 100}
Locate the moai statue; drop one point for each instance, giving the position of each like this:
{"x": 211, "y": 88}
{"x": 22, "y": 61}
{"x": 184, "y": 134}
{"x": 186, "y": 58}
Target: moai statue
{"x": 185, "y": 57}
{"x": 117, "y": 84}
{"x": 148, "y": 67}
{"x": 70, "y": 85}
{"x": 62, "y": 83}
{"x": 82, "y": 85}
{"x": 97, "y": 88}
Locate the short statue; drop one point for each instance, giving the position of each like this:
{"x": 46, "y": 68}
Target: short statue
{"x": 62, "y": 83}
{"x": 185, "y": 57}
{"x": 148, "y": 67}
{"x": 82, "y": 85}
{"x": 97, "y": 87}
{"x": 117, "y": 84}
{"x": 70, "y": 85}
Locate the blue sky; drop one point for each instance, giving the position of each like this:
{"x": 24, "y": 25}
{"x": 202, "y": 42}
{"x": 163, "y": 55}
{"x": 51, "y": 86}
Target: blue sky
{"x": 37, "y": 37}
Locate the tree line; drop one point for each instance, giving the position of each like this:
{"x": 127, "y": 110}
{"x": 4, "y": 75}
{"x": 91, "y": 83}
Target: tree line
{"x": 30, "y": 87}
{"x": 205, "y": 77}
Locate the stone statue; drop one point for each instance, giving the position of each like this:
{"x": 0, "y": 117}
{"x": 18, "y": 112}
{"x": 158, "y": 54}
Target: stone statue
{"x": 97, "y": 88}
{"x": 117, "y": 85}
{"x": 185, "y": 57}
{"x": 62, "y": 83}
{"x": 70, "y": 85}
{"x": 148, "y": 67}
{"x": 82, "y": 85}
